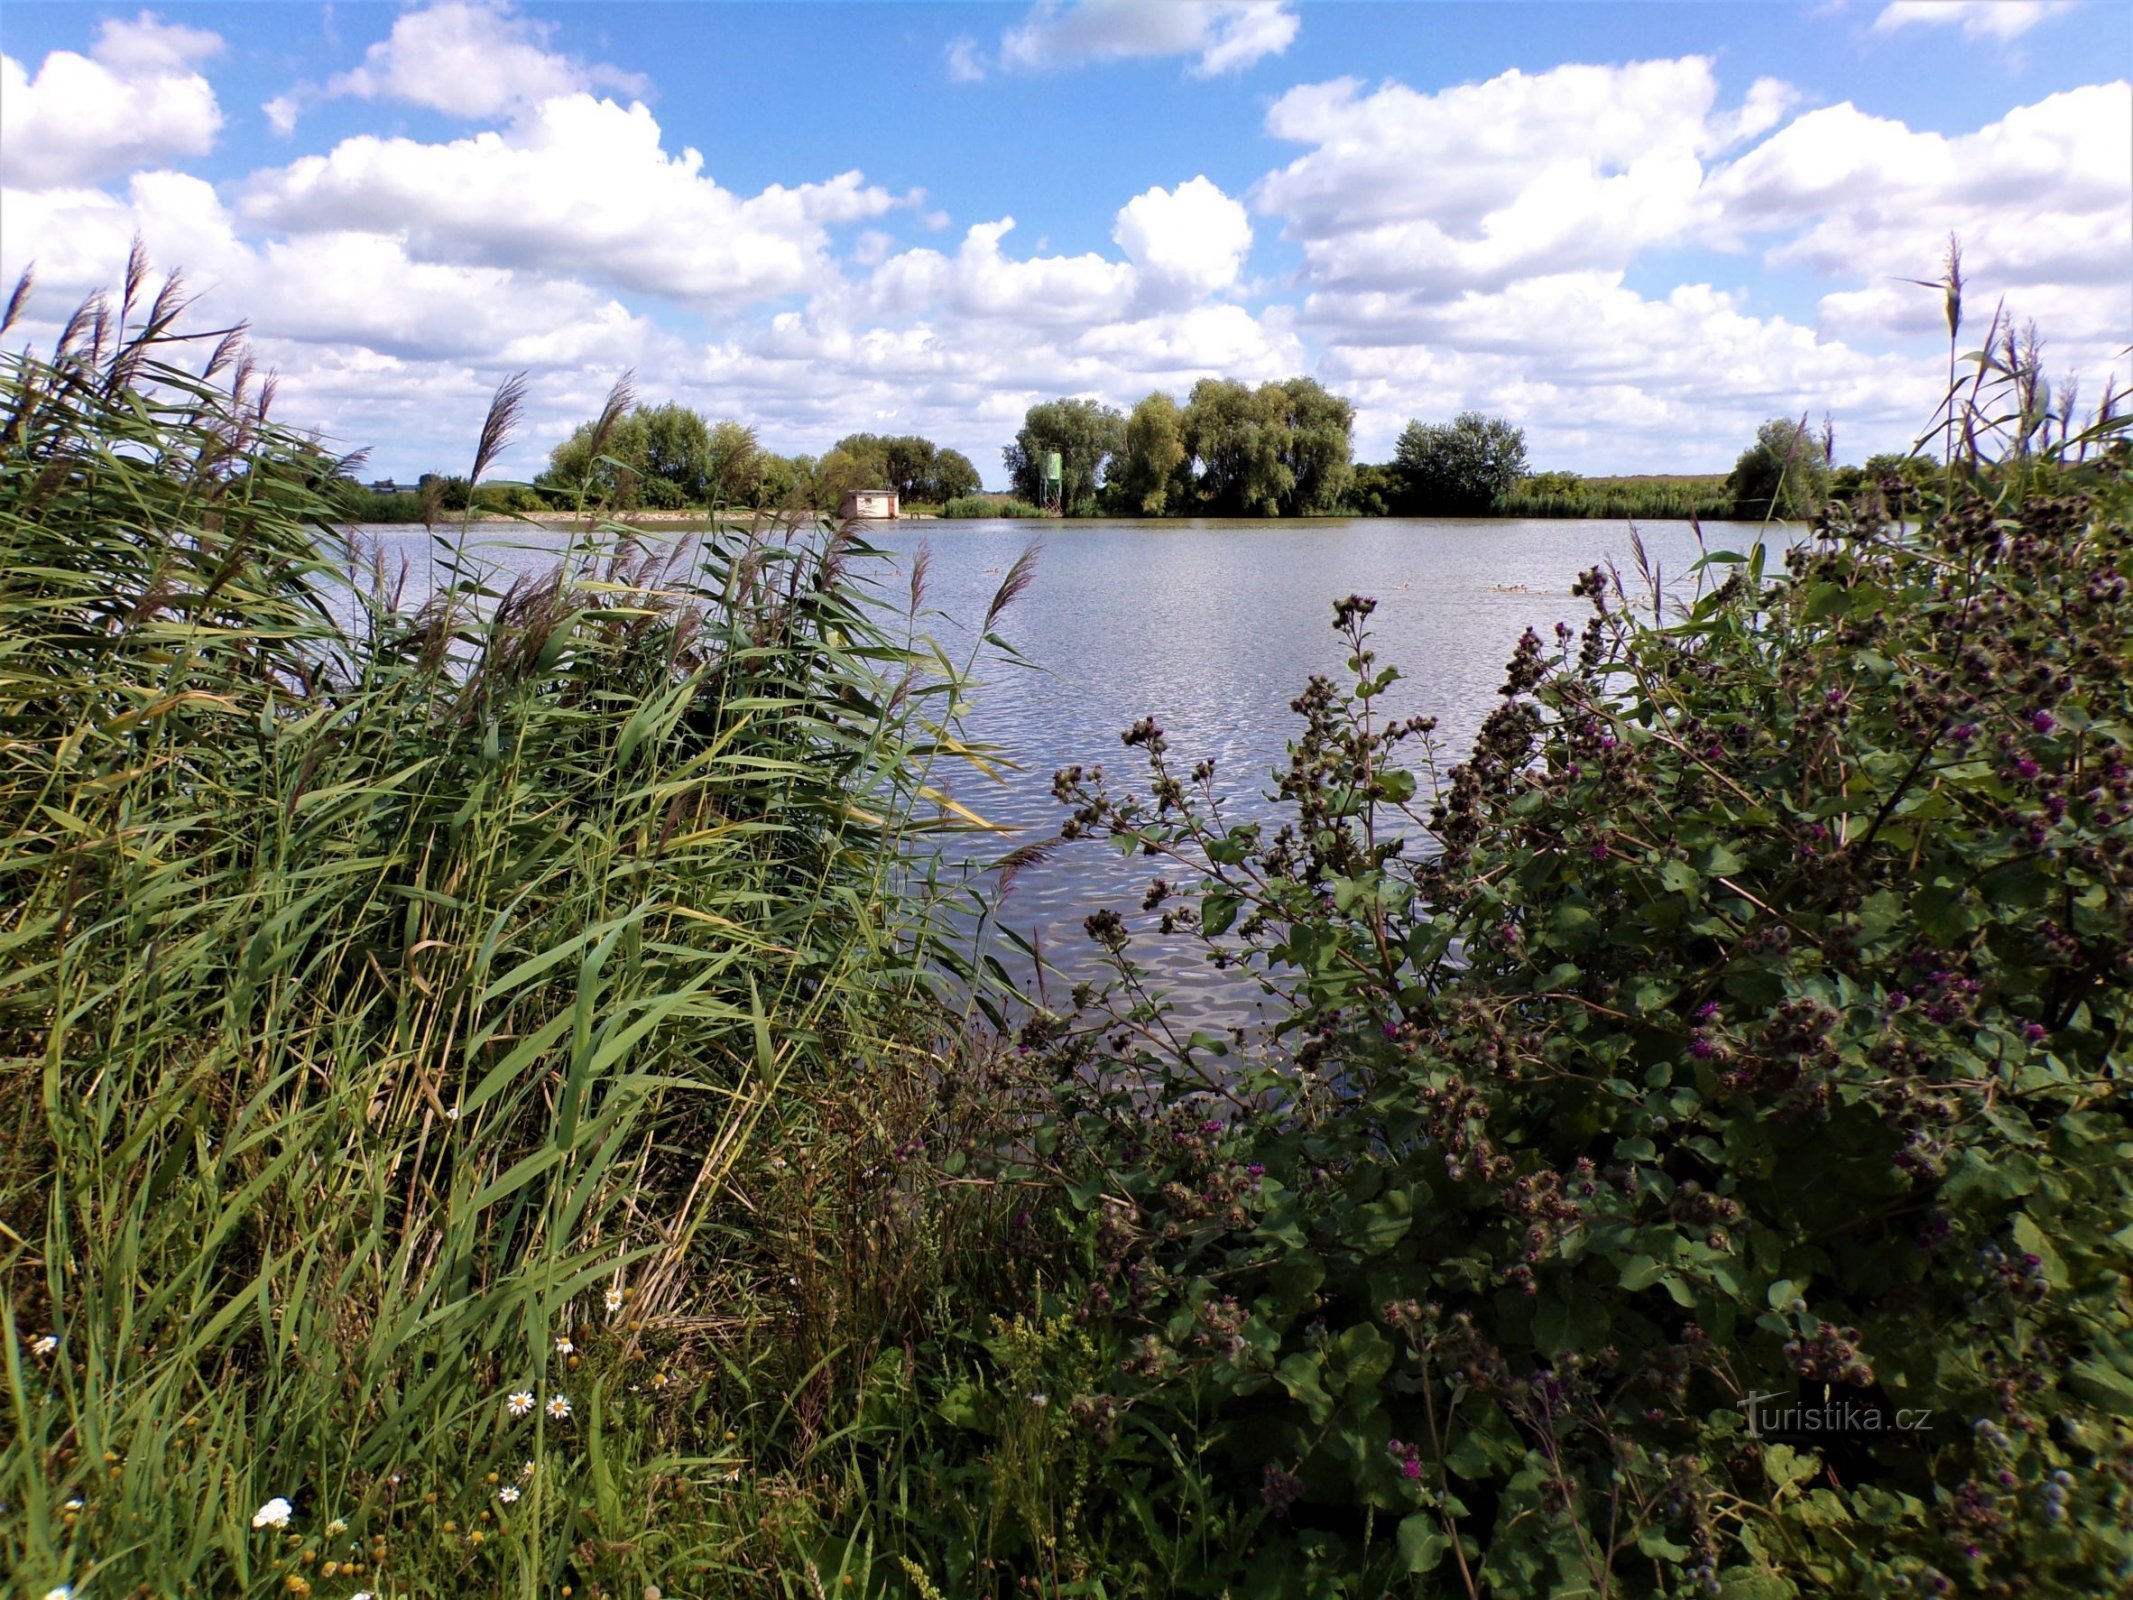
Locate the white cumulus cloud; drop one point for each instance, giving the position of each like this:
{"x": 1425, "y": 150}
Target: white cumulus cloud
{"x": 1483, "y": 184}
{"x": 577, "y": 185}
{"x": 2042, "y": 200}
{"x": 1219, "y": 35}
{"x": 471, "y": 58}
{"x": 1189, "y": 242}
{"x": 1978, "y": 19}
{"x": 137, "y": 97}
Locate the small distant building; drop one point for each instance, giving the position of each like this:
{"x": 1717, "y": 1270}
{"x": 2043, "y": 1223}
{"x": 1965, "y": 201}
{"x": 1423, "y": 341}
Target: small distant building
{"x": 869, "y": 504}
{"x": 387, "y": 486}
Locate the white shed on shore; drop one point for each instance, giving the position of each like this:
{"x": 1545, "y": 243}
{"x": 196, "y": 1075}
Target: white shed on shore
{"x": 869, "y": 504}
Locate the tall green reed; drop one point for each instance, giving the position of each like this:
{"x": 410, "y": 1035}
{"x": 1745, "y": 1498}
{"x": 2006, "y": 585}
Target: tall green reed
{"x": 382, "y": 1004}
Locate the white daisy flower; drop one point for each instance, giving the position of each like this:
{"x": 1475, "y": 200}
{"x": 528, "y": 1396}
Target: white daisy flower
{"x": 1040, "y": 1399}
{"x": 614, "y": 1297}
{"x": 508, "y": 1493}
{"x": 74, "y": 1504}
{"x": 362, "y": 1594}
{"x": 519, "y": 1402}
{"x": 526, "y": 1471}
{"x": 563, "y": 1346}
{"x": 274, "y": 1514}
{"x": 452, "y": 1115}
{"x": 44, "y": 1346}
{"x": 558, "y": 1407}
{"x": 63, "y": 1592}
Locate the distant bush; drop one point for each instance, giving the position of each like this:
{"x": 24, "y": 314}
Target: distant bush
{"x": 1565, "y": 494}
{"x": 975, "y": 507}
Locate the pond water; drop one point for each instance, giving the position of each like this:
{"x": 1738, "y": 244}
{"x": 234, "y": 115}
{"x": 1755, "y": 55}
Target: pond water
{"x": 1212, "y": 627}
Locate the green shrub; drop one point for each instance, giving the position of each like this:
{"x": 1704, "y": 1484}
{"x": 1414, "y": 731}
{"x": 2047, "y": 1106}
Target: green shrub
{"x": 1745, "y": 1023}
{"x": 980, "y": 507}
{"x": 1565, "y": 494}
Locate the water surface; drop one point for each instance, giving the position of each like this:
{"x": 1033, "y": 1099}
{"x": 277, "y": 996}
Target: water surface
{"x": 1212, "y": 627}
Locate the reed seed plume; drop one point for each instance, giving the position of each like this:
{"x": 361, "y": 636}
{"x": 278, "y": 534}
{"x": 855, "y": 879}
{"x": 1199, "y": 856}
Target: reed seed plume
{"x": 617, "y": 406}
{"x": 2069, "y": 393}
{"x": 1952, "y": 285}
{"x": 136, "y": 275}
{"x": 163, "y": 311}
{"x": 497, "y": 428}
{"x": 227, "y": 349}
{"x": 19, "y": 298}
{"x": 1019, "y": 577}
{"x": 921, "y": 566}
{"x": 1021, "y": 858}
{"x": 71, "y": 331}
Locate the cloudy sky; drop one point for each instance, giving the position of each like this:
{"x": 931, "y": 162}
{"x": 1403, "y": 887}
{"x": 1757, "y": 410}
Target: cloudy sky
{"x": 1637, "y": 229}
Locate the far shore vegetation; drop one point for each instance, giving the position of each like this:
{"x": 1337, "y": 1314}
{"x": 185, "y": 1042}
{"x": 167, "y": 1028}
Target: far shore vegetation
{"x": 1279, "y": 450}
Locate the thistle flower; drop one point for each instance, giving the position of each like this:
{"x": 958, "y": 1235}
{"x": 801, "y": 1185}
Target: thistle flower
{"x": 519, "y": 1402}
{"x": 558, "y": 1407}
{"x": 274, "y": 1514}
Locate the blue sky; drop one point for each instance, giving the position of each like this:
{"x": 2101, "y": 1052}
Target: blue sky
{"x": 1637, "y": 229}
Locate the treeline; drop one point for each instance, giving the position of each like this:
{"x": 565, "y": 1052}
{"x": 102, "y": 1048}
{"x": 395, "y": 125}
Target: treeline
{"x": 1285, "y": 450}
{"x": 1281, "y": 450}
{"x": 668, "y": 457}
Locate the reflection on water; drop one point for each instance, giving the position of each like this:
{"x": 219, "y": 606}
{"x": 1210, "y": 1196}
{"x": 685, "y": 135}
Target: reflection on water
{"x": 1212, "y": 627}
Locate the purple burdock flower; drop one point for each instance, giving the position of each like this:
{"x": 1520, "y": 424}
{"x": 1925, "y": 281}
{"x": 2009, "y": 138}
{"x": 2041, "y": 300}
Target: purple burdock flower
{"x": 1392, "y": 1030}
{"x": 1963, "y": 733}
{"x": 2044, "y": 722}
{"x": 1257, "y": 1169}
{"x": 1411, "y": 1468}
{"x": 1211, "y": 1126}
{"x": 1608, "y": 743}
{"x": 2033, "y": 1031}
{"x": 1701, "y": 1048}
{"x": 2027, "y": 767}
{"x": 1706, "y": 1011}
{"x": 1599, "y": 851}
